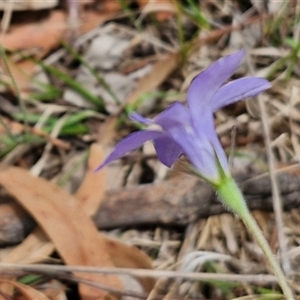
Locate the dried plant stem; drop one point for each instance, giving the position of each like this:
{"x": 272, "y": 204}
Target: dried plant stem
{"x": 54, "y": 270}
{"x": 277, "y": 202}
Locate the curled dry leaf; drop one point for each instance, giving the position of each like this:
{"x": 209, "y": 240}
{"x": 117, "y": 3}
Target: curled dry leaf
{"x": 29, "y": 292}
{"x": 65, "y": 220}
{"x": 35, "y": 248}
{"x": 72, "y": 231}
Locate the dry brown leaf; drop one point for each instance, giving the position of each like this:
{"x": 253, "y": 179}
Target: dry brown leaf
{"x": 157, "y": 75}
{"x": 115, "y": 6}
{"x": 90, "y": 192}
{"x": 72, "y": 231}
{"x": 163, "y": 9}
{"x": 44, "y": 35}
{"x": 126, "y": 256}
{"x": 110, "y": 6}
{"x": 21, "y": 72}
{"x": 92, "y": 189}
{"x": 91, "y": 19}
{"x": 35, "y": 248}
{"x": 29, "y": 292}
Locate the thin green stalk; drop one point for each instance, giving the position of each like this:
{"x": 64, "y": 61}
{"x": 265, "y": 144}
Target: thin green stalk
{"x": 7, "y": 129}
{"x": 231, "y": 196}
{"x": 20, "y": 100}
{"x": 125, "y": 7}
{"x": 74, "y": 85}
{"x": 256, "y": 231}
{"x": 93, "y": 71}
{"x": 193, "y": 10}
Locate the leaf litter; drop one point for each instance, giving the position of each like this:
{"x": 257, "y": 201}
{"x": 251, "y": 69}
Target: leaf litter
{"x": 150, "y": 61}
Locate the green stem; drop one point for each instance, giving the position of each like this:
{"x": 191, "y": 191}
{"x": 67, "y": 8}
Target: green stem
{"x": 232, "y": 197}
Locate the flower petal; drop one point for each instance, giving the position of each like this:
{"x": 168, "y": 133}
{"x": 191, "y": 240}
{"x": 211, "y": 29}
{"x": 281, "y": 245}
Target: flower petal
{"x": 167, "y": 150}
{"x": 207, "y": 83}
{"x": 196, "y": 143}
{"x": 134, "y": 116}
{"x": 172, "y": 116}
{"x": 211, "y": 147}
{"x": 131, "y": 142}
{"x": 237, "y": 90}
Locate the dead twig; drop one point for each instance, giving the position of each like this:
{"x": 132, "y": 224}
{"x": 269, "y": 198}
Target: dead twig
{"x": 51, "y": 270}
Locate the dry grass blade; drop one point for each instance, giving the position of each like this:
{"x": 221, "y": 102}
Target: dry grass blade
{"x": 193, "y": 276}
{"x": 294, "y": 115}
{"x": 278, "y": 210}
{"x": 277, "y": 201}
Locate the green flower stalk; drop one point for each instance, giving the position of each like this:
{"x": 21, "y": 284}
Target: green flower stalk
{"x": 232, "y": 197}
{"x": 189, "y": 131}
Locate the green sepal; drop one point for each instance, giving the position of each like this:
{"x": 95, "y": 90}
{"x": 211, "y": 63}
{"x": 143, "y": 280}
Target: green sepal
{"x": 222, "y": 175}
{"x": 231, "y": 196}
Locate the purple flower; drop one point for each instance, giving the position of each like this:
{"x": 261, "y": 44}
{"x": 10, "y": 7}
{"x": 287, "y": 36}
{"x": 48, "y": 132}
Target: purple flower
{"x": 190, "y": 131}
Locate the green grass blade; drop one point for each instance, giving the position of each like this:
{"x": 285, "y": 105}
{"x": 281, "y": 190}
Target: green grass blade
{"x": 94, "y": 72}
{"x": 72, "y": 83}
{"x": 15, "y": 86}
